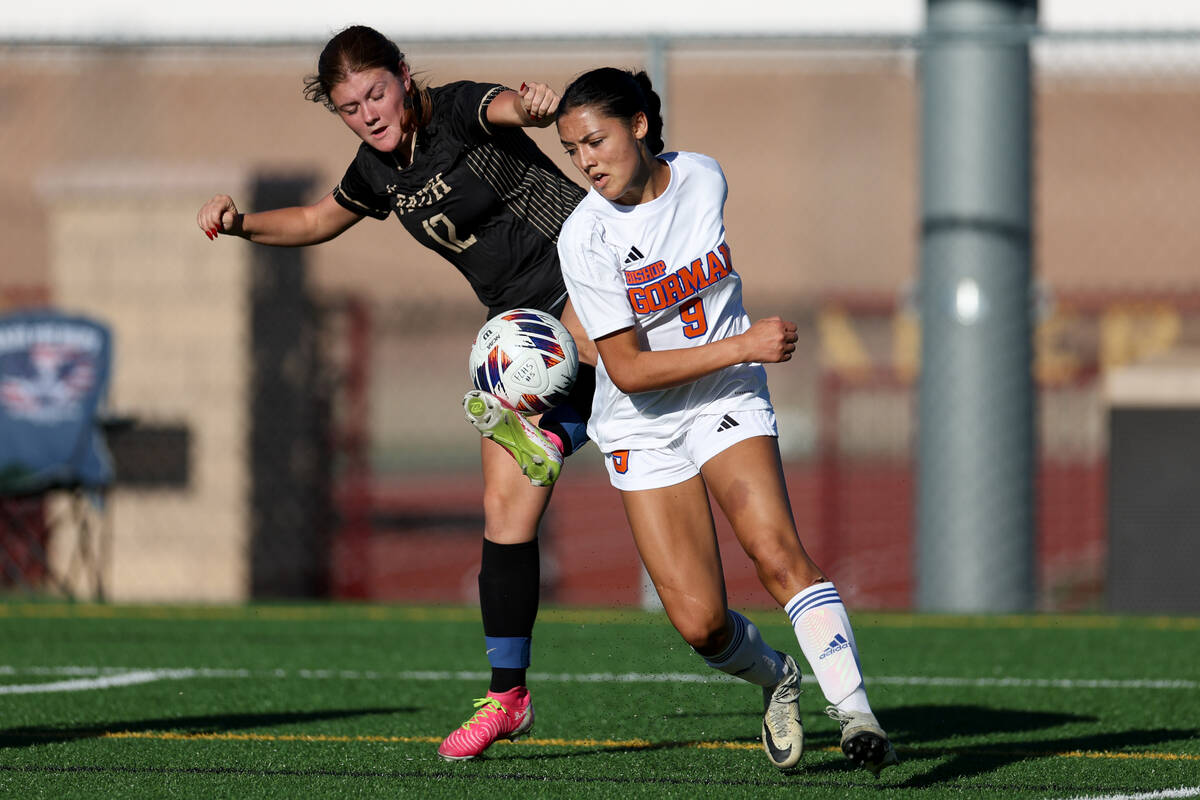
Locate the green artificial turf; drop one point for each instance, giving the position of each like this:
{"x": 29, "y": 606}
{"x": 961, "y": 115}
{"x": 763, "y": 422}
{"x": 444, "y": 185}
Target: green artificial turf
{"x": 350, "y": 701}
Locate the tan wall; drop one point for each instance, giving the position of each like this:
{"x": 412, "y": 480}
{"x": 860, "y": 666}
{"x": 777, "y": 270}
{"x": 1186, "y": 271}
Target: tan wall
{"x": 178, "y": 313}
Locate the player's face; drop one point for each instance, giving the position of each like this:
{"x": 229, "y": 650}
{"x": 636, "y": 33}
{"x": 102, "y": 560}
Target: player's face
{"x": 607, "y": 151}
{"x": 371, "y": 103}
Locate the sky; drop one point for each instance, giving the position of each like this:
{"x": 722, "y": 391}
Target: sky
{"x": 313, "y": 19}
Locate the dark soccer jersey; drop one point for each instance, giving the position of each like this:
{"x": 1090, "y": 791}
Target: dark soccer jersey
{"x": 484, "y": 197}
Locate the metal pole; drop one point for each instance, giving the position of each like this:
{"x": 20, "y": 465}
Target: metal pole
{"x": 975, "y": 522}
{"x": 656, "y": 68}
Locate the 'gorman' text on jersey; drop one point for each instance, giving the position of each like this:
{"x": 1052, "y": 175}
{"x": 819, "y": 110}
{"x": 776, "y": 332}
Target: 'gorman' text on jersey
{"x": 482, "y": 196}
{"x": 679, "y": 285}
{"x": 661, "y": 269}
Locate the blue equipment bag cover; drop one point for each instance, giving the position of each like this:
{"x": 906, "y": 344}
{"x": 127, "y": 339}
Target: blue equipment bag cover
{"x": 54, "y": 373}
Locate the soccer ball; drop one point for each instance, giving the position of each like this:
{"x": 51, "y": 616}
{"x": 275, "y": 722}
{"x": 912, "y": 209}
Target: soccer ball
{"x": 525, "y": 357}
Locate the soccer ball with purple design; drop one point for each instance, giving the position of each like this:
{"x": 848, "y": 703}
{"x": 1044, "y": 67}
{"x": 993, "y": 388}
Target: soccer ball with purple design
{"x": 525, "y": 357}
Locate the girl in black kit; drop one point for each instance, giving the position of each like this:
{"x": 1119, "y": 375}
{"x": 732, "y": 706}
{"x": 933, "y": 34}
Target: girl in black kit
{"x": 454, "y": 165}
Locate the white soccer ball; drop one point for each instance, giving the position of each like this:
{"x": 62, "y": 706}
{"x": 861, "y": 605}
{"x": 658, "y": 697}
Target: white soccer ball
{"x": 525, "y": 357}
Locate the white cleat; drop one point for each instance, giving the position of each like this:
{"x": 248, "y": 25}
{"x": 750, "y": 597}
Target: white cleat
{"x": 782, "y": 731}
{"x": 863, "y": 741}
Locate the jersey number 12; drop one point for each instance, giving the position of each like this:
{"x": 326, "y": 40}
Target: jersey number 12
{"x": 450, "y": 241}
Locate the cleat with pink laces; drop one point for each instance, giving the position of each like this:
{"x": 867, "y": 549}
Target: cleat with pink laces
{"x": 500, "y": 715}
{"x": 539, "y": 459}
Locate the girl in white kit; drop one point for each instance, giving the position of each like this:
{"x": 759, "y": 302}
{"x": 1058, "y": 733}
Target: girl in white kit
{"x": 682, "y": 408}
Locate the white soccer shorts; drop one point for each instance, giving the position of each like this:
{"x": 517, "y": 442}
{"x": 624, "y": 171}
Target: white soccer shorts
{"x": 709, "y": 434}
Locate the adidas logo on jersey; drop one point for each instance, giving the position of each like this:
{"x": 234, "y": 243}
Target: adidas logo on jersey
{"x": 727, "y": 422}
{"x": 838, "y": 643}
{"x": 633, "y": 255}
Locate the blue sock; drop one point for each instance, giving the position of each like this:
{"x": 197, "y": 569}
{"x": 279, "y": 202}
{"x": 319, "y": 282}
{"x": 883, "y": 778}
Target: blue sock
{"x": 568, "y": 425}
{"x": 508, "y": 652}
{"x": 568, "y": 420}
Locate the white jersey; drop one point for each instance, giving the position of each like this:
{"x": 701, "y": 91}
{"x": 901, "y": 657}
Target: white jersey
{"x": 662, "y": 268}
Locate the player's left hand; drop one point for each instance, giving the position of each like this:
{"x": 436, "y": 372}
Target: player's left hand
{"x": 771, "y": 340}
{"x": 540, "y": 103}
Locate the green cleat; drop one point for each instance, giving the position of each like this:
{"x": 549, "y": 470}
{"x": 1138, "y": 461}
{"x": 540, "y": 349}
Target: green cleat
{"x": 538, "y": 458}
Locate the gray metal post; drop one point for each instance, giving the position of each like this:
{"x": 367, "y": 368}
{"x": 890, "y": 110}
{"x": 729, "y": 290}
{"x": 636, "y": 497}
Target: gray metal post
{"x": 975, "y": 525}
{"x": 656, "y": 68}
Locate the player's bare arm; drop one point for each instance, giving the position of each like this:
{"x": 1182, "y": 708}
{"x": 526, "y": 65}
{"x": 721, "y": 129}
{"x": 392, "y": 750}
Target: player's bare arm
{"x": 533, "y": 106}
{"x": 294, "y": 226}
{"x": 633, "y": 369}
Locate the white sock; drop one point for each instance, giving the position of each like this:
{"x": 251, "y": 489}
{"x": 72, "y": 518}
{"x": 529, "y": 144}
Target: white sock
{"x": 747, "y": 656}
{"x": 823, "y": 630}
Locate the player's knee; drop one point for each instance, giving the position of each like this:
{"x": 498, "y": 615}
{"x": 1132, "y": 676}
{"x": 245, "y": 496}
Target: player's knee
{"x": 507, "y": 520}
{"x": 504, "y": 528}
{"x": 783, "y": 563}
{"x": 706, "y": 632}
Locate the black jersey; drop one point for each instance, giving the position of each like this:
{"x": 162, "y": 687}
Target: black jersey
{"x": 484, "y": 197}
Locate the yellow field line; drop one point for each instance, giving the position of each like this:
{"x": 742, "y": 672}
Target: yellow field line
{"x": 633, "y": 744}
{"x": 336, "y": 612}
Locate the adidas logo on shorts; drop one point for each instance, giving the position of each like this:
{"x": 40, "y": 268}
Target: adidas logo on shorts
{"x": 727, "y": 422}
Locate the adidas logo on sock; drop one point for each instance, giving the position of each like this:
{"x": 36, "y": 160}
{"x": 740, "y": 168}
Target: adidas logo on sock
{"x": 633, "y": 255}
{"x": 727, "y": 422}
{"x": 838, "y": 643}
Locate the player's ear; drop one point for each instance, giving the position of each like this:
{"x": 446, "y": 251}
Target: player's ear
{"x": 640, "y": 125}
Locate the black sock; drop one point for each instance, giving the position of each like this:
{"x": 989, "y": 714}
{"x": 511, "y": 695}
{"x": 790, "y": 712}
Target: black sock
{"x": 509, "y": 585}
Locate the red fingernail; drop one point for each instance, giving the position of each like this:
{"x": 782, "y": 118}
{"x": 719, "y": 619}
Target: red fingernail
{"x": 523, "y": 87}
{"x": 209, "y": 235}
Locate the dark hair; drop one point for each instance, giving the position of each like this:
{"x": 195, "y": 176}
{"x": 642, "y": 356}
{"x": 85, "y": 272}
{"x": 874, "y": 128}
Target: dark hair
{"x": 618, "y": 93}
{"x": 357, "y": 49}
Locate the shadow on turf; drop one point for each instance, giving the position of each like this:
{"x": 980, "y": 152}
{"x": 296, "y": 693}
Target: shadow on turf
{"x": 214, "y": 723}
{"x": 911, "y": 726}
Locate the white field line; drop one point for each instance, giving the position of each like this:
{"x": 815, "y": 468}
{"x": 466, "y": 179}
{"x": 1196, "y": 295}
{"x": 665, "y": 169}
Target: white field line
{"x": 85, "y": 684}
{"x": 1182, "y": 791}
{"x": 91, "y": 677}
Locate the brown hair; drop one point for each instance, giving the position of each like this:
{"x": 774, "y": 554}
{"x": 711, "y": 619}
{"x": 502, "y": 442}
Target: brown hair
{"x": 357, "y": 49}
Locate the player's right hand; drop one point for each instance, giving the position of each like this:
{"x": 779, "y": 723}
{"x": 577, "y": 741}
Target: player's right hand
{"x": 771, "y": 340}
{"x": 540, "y": 103}
{"x": 218, "y": 215}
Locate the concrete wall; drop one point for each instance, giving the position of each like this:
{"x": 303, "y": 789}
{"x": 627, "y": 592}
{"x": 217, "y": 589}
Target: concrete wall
{"x": 180, "y": 328}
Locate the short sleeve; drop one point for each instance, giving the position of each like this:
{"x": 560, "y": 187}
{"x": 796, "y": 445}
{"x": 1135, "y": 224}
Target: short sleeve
{"x": 468, "y": 104}
{"x": 593, "y": 275}
{"x": 355, "y": 194}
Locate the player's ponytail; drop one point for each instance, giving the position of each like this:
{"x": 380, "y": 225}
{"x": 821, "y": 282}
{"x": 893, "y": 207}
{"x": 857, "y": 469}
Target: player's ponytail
{"x": 653, "y": 111}
{"x": 618, "y": 93}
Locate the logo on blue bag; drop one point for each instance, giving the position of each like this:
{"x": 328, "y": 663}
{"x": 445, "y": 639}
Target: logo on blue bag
{"x": 48, "y": 370}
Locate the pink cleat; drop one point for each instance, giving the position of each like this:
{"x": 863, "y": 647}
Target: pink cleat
{"x": 500, "y": 715}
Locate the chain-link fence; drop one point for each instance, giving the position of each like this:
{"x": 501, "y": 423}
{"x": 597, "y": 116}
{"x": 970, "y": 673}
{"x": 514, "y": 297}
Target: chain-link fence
{"x": 295, "y": 421}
